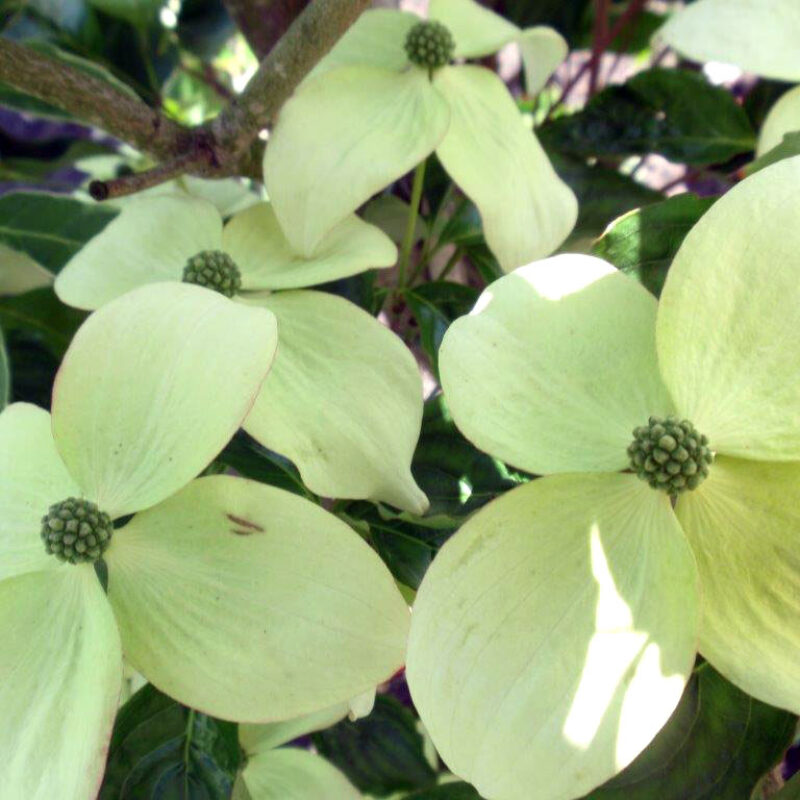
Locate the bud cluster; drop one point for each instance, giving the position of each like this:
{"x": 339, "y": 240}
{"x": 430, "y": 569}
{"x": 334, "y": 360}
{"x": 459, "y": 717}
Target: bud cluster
{"x": 214, "y": 270}
{"x": 429, "y": 44}
{"x": 76, "y": 531}
{"x": 670, "y": 454}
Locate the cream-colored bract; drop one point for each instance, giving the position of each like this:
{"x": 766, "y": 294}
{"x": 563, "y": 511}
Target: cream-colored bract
{"x": 150, "y": 240}
{"x": 729, "y": 318}
{"x": 783, "y": 118}
{"x": 343, "y": 400}
{"x": 290, "y": 773}
{"x": 262, "y": 738}
{"x": 28, "y": 487}
{"x": 60, "y": 676}
{"x": 757, "y": 36}
{"x": 479, "y": 32}
{"x": 257, "y": 245}
{"x": 277, "y": 581}
{"x": 153, "y": 387}
{"x": 341, "y": 340}
{"x": 553, "y": 635}
{"x": 548, "y": 374}
{"x": 153, "y": 238}
{"x": 476, "y": 29}
{"x": 19, "y": 273}
{"x": 743, "y": 524}
{"x": 366, "y": 116}
{"x": 343, "y": 137}
{"x": 526, "y": 209}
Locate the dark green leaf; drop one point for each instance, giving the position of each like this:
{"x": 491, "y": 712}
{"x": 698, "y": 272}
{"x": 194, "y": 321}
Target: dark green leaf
{"x": 406, "y": 544}
{"x": 464, "y": 227}
{"x": 566, "y": 16}
{"x": 602, "y": 193}
{"x": 716, "y": 746}
{"x": 644, "y": 241}
{"x": 673, "y": 112}
{"x": 160, "y": 750}
{"x": 250, "y": 459}
{"x": 380, "y": 754}
{"x": 41, "y": 313}
{"x": 435, "y": 305}
{"x": 457, "y": 477}
{"x": 49, "y": 228}
{"x": 447, "y": 791}
{"x": 789, "y": 146}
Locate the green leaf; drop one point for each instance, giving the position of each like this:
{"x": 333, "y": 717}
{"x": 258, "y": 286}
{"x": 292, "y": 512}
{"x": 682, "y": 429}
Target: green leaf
{"x": 250, "y": 459}
{"x": 435, "y": 305}
{"x": 673, "y": 112}
{"x": 380, "y": 754}
{"x": 161, "y": 750}
{"x": 49, "y": 228}
{"x": 644, "y": 241}
{"x": 716, "y": 746}
{"x": 447, "y": 791}
{"x": 5, "y": 375}
{"x": 406, "y": 544}
{"x": 457, "y": 477}
{"x": 789, "y": 146}
{"x": 40, "y": 312}
{"x": 602, "y": 193}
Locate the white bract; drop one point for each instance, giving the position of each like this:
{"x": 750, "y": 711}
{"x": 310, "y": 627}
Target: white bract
{"x": 757, "y": 37}
{"x": 360, "y": 443}
{"x": 233, "y": 597}
{"x": 552, "y": 636}
{"x": 366, "y": 115}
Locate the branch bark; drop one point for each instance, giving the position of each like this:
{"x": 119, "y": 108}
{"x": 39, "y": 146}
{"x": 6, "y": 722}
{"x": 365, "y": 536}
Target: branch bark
{"x": 228, "y": 145}
{"x": 263, "y": 22}
{"x": 91, "y": 100}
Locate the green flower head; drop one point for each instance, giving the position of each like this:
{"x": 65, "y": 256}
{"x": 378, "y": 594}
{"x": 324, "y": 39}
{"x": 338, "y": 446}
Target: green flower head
{"x": 387, "y": 96}
{"x": 558, "y": 627}
{"x": 329, "y": 347}
{"x": 152, "y": 387}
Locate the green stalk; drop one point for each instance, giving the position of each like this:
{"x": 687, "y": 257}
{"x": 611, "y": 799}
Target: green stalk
{"x": 411, "y": 226}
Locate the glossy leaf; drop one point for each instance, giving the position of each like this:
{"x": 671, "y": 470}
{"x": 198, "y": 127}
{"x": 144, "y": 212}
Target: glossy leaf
{"x": 49, "y": 228}
{"x": 380, "y": 754}
{"x": 41, "y": 313}
{"x": 435, "y": 305}
{"x": 643, "y": 242}
{"x": 673, "y": 112}
{"x": 161, "y": 750}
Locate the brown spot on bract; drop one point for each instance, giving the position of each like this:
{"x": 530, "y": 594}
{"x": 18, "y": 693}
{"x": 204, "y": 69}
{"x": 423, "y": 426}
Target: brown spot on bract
{"x": 250, "y": 527}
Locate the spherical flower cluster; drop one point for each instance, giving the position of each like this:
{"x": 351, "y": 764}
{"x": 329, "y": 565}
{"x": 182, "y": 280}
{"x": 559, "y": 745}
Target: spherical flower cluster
{"x": 76, "y": 531}
{"x": 429, "y": 44}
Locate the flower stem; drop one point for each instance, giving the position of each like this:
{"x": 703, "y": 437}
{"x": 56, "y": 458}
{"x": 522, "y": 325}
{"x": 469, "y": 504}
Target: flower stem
{"x": 411, "y": 226}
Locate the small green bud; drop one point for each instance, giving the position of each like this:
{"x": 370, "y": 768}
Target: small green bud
{"x": 76, "y": 531}
{"x": 670, "y": 454}
{"x": 429, "y": 44}
{"x": 214, "y": 270}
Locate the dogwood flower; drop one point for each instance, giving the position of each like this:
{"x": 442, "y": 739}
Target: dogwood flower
{"x": 553, "y": 634}
{"x": 753, "y": 37}
{"x": 231, "y": 596}
{"x": 361, "y": 442}
{"x": 386, "y": 97}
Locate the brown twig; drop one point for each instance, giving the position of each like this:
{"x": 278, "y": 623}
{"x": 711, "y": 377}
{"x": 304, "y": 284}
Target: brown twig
{"x": 137, "y": 181}
{"x": 634, "y": 9}
{"x": 599, "y": 42}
